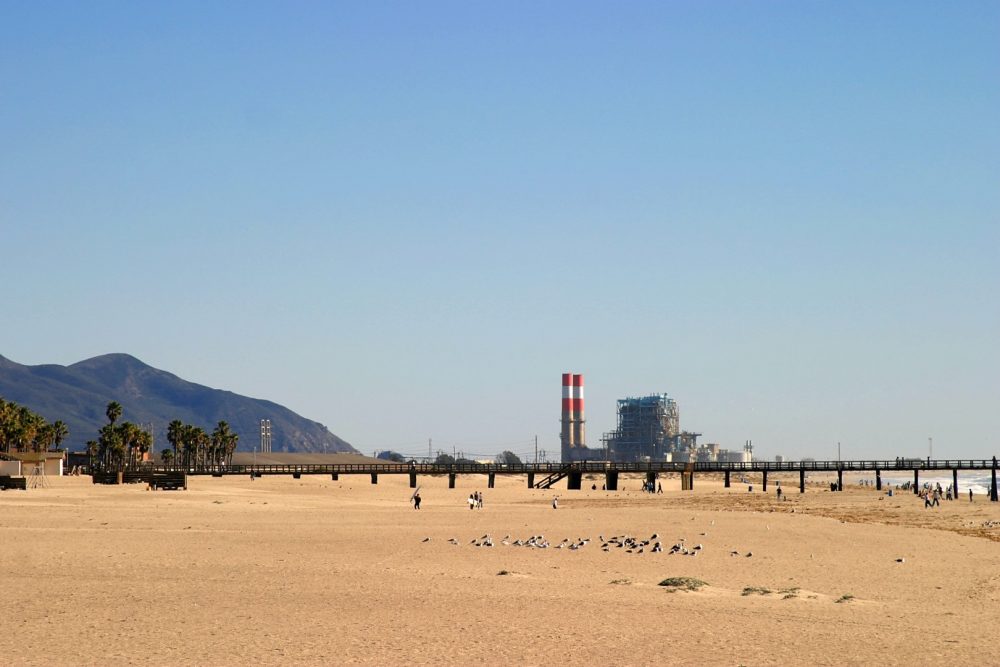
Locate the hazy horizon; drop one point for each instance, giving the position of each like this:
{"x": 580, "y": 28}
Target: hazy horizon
{"x": 407, "y": 221}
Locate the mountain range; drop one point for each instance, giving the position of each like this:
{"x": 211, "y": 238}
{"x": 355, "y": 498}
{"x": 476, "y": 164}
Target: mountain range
{"x": 78, "y": 395}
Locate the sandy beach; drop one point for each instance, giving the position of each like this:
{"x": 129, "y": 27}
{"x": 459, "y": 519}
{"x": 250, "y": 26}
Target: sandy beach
{"x": 315, "y": 571}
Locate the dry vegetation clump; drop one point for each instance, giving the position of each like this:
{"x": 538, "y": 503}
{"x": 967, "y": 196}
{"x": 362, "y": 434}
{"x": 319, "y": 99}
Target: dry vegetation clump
{"x": 682, "y": 583}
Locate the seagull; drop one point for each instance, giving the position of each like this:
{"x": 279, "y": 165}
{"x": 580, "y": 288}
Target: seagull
{"x": 426, "y": 539}
{"x": 749, "y": 553}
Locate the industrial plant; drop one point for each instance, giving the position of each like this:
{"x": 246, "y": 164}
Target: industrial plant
{"x": 648, "y": 430}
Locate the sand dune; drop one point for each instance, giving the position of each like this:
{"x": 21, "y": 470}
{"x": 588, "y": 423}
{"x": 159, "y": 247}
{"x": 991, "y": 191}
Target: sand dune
{"x": 312, "y": 571}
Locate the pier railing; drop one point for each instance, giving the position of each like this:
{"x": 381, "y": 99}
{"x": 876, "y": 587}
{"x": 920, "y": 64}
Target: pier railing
{"x": 593, "y": 467}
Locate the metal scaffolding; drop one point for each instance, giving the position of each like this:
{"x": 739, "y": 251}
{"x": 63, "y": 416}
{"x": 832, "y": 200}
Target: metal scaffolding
{"x": 648, "y": 429}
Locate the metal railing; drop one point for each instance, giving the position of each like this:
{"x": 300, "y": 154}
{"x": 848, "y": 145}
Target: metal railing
{"x": 582, "y": 467}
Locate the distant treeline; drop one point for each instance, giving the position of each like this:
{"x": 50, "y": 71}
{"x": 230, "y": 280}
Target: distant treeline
{"x": 22, "y": 430}
{"x": 119, "y": 445}
{"x": 122, "y": 446}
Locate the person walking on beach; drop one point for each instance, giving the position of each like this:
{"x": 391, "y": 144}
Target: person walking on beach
{"x": 555, "y": 503}
{"x": 416, "y": 501}
{"x": 778, "y": 492}
{"x": 479, "y": 500}
{"x": 970, "y": 495}
{"x": 472, "y": 502}
{"x": 659, "y": 487}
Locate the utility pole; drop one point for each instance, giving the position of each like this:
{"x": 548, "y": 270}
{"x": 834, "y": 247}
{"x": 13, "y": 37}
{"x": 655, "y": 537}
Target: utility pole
{"x": 838, "y": 450}
{"x": 429, "y": 455}
{"x": 930, "y": 448}
{"x": 536, "y": 450}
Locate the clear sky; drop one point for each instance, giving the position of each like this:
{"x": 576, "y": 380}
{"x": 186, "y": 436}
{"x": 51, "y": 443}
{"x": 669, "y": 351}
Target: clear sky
{"x": 406, "y": 220}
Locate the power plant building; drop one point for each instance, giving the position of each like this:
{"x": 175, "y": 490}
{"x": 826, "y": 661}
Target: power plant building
{"x": 648, "y": 429}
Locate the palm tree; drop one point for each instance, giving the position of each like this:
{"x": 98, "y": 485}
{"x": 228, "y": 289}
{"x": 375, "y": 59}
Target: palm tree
{"x": 44, "y": 438}
{"x": 59, "y": 432}
{"x": 143, "y": 443}
{"x": 201, "y": 442}
{"x": 223, "y": 443}
{"x": 113, "y": 411}
{"x": 175, "y": 436}
{"x": 92, "y": 450}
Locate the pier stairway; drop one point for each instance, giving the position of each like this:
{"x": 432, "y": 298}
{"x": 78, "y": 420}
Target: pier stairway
{"x": 547, "y": 482}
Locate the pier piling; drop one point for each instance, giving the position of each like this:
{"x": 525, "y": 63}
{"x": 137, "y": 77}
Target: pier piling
{"x": 611, "y": 480}
{"x": 878, "y": 480}
{"x": 491, "y": 480}
{"x": 413, "y": 480}
{"x": 802, "y": 480}
{"x": 726, "y": 483}
{"x": 374, "y": 478}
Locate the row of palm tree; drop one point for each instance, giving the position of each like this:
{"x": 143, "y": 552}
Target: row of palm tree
{"x": 119, "y": 446}
{"x": 192, "y": 446}
{"x": 22, "y": 430}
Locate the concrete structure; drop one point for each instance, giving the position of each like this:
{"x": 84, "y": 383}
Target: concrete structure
{"x": 573, "y": 434}
{"x": 52, "y": 463}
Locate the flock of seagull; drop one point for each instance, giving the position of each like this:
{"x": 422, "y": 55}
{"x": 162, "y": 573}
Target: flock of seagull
{"x": 627, "y": 543}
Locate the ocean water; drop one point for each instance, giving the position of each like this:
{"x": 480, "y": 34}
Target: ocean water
{"x": 980, "y": 484}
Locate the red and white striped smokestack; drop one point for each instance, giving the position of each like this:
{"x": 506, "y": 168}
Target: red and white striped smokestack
{"x": 579, "y": 432}
{"x": 568, "y": 433}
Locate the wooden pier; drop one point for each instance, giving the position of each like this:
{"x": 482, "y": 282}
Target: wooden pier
{"x": 545, "y": 475}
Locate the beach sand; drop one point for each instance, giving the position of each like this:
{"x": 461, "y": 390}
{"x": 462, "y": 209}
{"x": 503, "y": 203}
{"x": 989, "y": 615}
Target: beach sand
{"x": 315, "y": 571}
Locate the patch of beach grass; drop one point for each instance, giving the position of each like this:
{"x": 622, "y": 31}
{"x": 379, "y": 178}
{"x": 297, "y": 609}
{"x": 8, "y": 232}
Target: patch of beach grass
{"x": 682, "y": 584}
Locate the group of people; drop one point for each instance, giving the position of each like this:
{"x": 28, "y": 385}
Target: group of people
{"x": 475, "y": 500}
{"x": 932, "y": 494}
{"x": 652, "y": 487}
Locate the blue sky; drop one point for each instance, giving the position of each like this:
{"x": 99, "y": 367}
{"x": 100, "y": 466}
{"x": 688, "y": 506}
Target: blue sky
{"x": 406, "y": 220}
